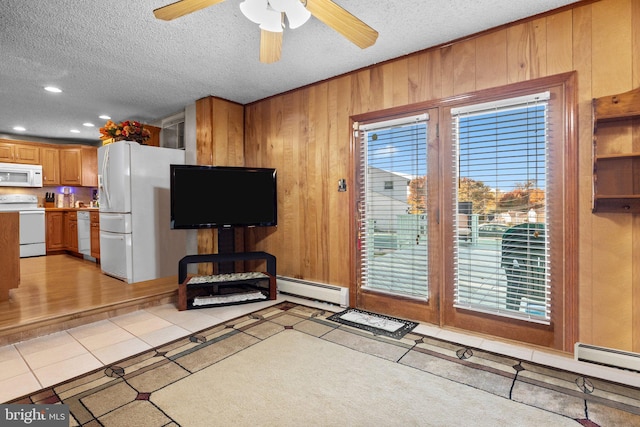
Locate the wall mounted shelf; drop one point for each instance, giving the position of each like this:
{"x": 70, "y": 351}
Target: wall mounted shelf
{"x": 616, "y": 168}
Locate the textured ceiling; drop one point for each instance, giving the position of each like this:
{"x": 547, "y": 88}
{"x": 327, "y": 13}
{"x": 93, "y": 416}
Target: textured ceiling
{"x": 113, "y": 57}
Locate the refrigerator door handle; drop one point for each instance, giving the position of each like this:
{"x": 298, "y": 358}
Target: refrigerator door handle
{"x": 103, "y": 179}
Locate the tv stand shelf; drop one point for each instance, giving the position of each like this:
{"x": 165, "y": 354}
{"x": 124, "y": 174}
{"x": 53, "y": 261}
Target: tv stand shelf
{"x": 225, "y": 289}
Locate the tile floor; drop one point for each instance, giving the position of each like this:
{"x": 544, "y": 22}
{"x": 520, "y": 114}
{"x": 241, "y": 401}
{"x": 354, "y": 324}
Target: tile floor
{"x": 31, "y": 365}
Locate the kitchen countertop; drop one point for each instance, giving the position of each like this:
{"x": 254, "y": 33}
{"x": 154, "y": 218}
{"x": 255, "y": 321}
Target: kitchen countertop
{"x": 71, "y": 209}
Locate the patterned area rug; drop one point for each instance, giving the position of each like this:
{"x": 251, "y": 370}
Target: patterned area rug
{"x": 288, "y": 365}
{"x": 377, "y": 324}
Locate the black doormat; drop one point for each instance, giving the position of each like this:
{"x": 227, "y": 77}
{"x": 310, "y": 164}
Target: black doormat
{"x": 377, "y": 324}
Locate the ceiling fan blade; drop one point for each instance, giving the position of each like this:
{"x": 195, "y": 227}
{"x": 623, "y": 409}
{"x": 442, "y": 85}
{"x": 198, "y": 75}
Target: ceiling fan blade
{"x": 270, "y": 46}
{"x": 343, "y": 22}
{"x": 181, "y": 8}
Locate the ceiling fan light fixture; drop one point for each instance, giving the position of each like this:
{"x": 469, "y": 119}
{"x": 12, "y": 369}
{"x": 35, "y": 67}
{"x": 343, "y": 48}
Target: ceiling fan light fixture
{"x": 297, "y": 14}
{"x": 279, "y": 5}
{"x": 272, "y": 21}
{"x": 270, "y": 15}
{"x": 254, "y": 10}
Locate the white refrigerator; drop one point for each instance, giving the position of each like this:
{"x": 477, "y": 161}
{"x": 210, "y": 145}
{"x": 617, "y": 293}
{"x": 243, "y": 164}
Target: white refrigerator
{"x": 136, "y": 242}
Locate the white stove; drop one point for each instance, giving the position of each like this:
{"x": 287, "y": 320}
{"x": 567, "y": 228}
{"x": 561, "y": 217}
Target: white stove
{"x": 18, "y": 202}
{"x": 32, "y": 222}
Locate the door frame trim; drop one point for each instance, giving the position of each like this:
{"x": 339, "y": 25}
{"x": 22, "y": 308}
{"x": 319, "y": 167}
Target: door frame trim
{"x": 563, "y": 331}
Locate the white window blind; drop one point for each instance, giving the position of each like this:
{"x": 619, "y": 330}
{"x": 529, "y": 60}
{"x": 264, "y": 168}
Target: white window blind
{"x": 501, "y": 248}
{"x": 392, "y": 215}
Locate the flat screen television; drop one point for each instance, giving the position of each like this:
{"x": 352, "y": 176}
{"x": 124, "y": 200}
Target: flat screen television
{"x": 222, "y": 196}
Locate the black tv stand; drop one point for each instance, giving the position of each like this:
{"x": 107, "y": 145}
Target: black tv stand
{"x": 230, "y": 284}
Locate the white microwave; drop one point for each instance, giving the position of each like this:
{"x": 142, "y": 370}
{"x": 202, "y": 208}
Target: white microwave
{"x": 19, "y": 175}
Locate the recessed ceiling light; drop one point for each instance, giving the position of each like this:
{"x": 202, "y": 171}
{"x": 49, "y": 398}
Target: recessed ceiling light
{"x": 19, "y": 128}
{"x": 52, "y": 89}
{"x": 75, "y": 131}
{"x": 104, "y": 117}
{"x": 89, "y": 125}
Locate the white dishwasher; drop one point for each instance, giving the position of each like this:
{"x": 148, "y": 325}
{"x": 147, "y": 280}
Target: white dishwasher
{"x": 84, "y": 233}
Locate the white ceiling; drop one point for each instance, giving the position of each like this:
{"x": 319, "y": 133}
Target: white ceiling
{"x": 113, "y": 57}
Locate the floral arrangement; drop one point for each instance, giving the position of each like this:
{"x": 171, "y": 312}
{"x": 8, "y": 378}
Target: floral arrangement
{"x": 129, "y": 130}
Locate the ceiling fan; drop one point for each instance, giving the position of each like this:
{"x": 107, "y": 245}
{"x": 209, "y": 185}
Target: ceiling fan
{"x": 270, "y": 14}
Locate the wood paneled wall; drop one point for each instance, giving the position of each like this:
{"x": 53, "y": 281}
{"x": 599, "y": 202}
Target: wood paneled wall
{"x": 220, "y": 142}
{"x": 305, "y": 134}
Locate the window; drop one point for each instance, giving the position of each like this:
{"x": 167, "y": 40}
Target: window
{"x": 393, "y": 220}
{"x": 501, "y": 249}
{"x": 172, "y": 133}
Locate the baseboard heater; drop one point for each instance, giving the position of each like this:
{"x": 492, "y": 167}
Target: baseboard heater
{"x": 313, "y": 290}
{"x": 607, "y": 357}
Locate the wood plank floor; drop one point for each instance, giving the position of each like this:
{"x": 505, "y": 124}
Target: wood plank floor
{"x": 58, "y": 292}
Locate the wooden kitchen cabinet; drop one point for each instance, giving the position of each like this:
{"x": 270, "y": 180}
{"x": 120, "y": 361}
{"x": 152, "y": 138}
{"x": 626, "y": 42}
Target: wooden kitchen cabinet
{"x": 95, "y": 234}
{"x": 12, "y": 152}
{"x": 55, "y": 240}
{"x": 28, "y": 154}
{"x": 89, "y": 166}
{"x": 6, "y": 152}
{"x": 154, "y": 137}
{"x": 71, "y": 231}
{"x": 50, "y": 165}
{"x": 79, "y": 166}
{"x": 62, "y": 231}
{"x": 62, "y": 164}
{"x": 70, "y": 166}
